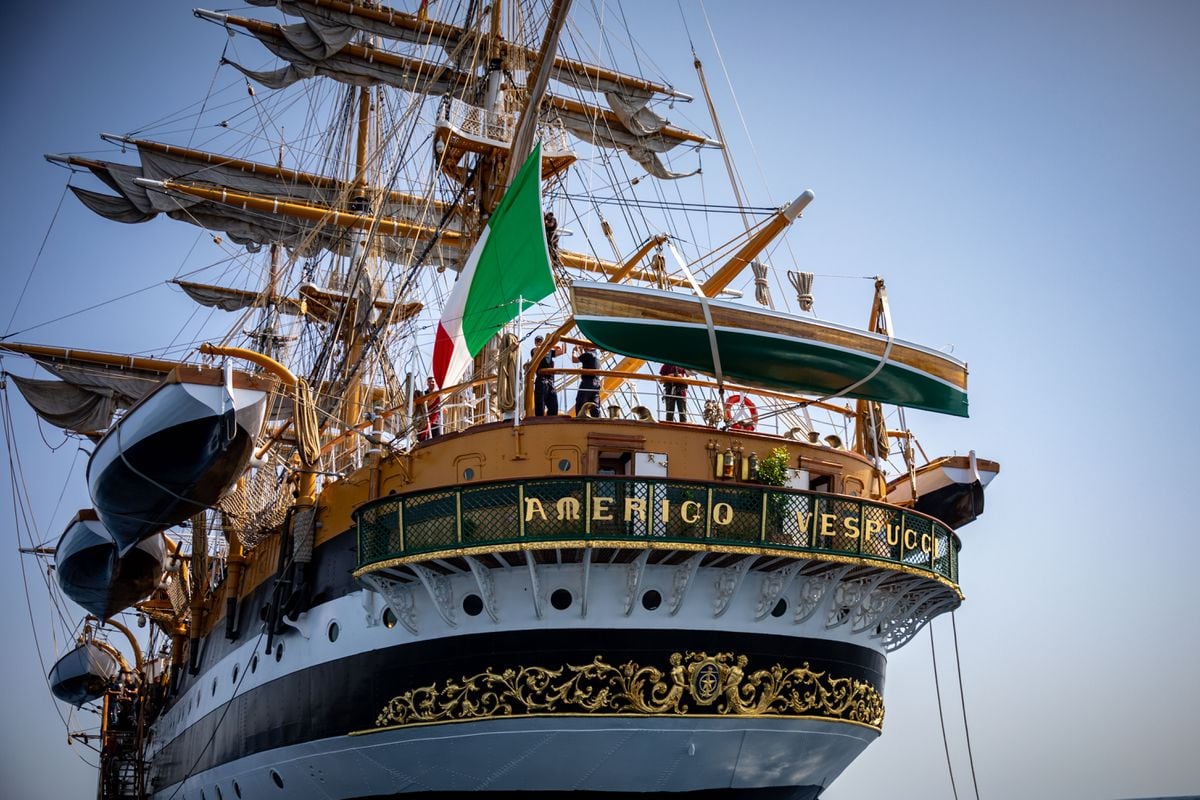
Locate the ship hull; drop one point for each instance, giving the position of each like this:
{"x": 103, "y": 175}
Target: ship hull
{"x": 406, "y": 692}
{"x": 172, "y": 456}
{"x": 317, "y": 730}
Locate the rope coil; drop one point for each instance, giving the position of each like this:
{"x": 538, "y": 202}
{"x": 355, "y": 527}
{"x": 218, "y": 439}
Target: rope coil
{"x": 802, "y": 282}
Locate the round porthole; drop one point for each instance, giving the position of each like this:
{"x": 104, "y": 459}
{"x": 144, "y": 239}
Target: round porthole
{"x": 275, "y": 776}
{"x": 237, "y": 789}
{"x": 780, "y": 608}
{"x": 333, "y": 631}
{"x": 389, "y": 618}
{"x": 651, "y": 600}
{"x": 564, "y": 465}
{"x": 214, "y": 688}
{"x": 468, "y": 474}
{"x": 217, "y": 791}
{"x": 279, "y": 652}
{"x": 254, "y": 663}
{"x": 235, "y": 674}
{"x": 561, "y": 599}
{"x": 472, "y": 605}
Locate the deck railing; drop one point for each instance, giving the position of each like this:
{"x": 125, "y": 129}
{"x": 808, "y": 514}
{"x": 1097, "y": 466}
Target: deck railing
{"x": 650, "y": 512}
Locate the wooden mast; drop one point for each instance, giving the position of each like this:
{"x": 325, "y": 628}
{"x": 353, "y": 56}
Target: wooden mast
{"x": 360, "y": 201}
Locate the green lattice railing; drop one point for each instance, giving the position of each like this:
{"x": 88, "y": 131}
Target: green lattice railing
{"x": 650, "y": 511}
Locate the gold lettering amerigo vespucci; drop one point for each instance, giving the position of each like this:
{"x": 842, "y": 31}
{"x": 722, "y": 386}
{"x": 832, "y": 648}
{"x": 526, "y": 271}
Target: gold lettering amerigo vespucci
{"x": 604, "y": 509}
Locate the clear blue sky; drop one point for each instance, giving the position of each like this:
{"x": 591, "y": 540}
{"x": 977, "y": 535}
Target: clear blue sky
{"x": 1024, "y": 175}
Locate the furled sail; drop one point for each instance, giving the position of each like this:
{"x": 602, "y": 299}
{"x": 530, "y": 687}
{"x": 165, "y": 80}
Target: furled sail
{"x": 329, "y": 20}
{"x": 313, "y": 301}
{"x": 352, "y": 64}
{"x": 69, "y": 407}
{"x": 630, "y": 125}
{"x": 250, "y": 226}
{"x": 91, "y": 387}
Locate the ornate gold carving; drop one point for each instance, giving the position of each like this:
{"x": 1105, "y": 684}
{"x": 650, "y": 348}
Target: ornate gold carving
{"x": 695, "y": 683}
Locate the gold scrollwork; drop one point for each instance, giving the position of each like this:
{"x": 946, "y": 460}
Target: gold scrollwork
{"x": 695, "y": 683}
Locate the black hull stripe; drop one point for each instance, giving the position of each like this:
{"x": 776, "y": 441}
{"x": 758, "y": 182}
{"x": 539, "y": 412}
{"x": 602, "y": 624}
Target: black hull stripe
{"x": 349, "y": 694}
{"x": 770, "y": 793}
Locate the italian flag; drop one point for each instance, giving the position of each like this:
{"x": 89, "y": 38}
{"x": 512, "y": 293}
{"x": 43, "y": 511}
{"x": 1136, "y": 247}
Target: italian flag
{"x": 509, "y": 264}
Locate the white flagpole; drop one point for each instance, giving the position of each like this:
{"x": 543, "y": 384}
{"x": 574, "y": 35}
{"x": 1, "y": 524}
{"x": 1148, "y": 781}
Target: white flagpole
{"x": 519, "y": 376}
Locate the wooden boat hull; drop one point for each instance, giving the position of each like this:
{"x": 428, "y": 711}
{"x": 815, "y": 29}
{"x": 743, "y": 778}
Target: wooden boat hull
{"x": 763, "y": 348}
{"x": 91, "y": 571}
{"x": 174, "y": 454}
{"x": 948, "y": 488}
{"x": 83, "y": 675}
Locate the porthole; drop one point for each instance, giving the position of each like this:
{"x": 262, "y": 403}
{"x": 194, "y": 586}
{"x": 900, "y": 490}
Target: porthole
{"x": 389, "y": 618}
{"x": 254, "y": 663}
{"x": 217, "y": 791}
{"x": 651, "y": 600}
{"x": 333, "y": 631}
{"x": 564, "y": 465}
{"x": 214, "y": 688}
{"x": 279, "y": 652}
{"x": 202, "y": 797}
{"x": 235, "y": 674}
{"x": 780, "y": 608}
{"x": 561, "y": 599}
{"x": 468, "y": 474}
{"x": 472, "y": 605}
{"x": 275, "y": 776}
{"x": 237, "y": 790}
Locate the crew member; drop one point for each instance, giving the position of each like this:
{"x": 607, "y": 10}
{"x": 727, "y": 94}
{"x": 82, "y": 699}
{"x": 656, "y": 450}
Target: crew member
{"x": 589, "y": 385}
{"x": 429, "y": 423}
{"x": 545, "y": 399}
{"x": 674, "y": 392}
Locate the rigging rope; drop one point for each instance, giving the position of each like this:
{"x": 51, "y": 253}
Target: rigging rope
{"x": 962, "y": 698}
{"x": 941, "y": 717}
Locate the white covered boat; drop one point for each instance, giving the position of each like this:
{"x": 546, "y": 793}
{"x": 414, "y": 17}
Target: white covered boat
{"x": 949, "y": 488}
{"x": 92, "y": 572}
{"x": 176, "y": 452}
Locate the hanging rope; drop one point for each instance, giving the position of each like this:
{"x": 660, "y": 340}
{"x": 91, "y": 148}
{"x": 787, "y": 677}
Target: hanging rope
{"x": 762, "y": 292}
{"x": 308, "y": 431}
{"x": 802, "y": 282}
{"x": 941, "y": 717}
{"x": 962, "y": 698}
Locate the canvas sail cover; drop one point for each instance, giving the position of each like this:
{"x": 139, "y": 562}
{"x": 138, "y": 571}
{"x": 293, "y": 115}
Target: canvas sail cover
{"x": 321, "y": 49}
{"x": 72, "y": 408}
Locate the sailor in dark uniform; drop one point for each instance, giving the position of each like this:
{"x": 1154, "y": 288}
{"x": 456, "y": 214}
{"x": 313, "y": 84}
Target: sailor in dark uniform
{"x": 545, "y": 399}
{"x": 589, "y": 385}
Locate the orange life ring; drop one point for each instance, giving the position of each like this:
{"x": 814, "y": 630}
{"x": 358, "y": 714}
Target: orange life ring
{"x": 744, "y": 424}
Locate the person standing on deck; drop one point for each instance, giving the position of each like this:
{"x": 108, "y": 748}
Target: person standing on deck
{"x": 430, "y": 421}
{"x": 589, "y": 385}
{"x": 545, "y": 398}
{"x": 674, "y": 393}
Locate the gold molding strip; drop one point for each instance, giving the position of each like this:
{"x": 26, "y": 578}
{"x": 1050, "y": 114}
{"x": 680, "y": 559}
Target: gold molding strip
{"x": 695, "y": 684}
{"x": 662, "y": 544}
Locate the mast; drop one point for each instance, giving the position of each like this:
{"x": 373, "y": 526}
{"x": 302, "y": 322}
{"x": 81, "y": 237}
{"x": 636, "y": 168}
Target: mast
{"x": 358, "y": 267}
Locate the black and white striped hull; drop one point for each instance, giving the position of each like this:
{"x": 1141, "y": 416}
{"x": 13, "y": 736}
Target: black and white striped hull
{"x": 462, "y": 681}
